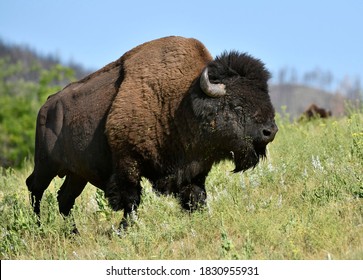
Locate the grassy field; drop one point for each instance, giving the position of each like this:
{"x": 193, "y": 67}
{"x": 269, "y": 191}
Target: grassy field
{"x": 305, "y": 201}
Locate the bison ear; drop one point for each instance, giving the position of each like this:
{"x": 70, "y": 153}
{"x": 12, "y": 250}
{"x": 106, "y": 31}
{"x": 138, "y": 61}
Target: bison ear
{"x": 212, "y": 90}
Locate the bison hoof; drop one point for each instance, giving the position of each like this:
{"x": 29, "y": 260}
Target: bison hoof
{"x": 75, "y": 231}
{"x": 123, "y": 224}
{"x": 193, "y": 197}
{"x": 126, "y": 222}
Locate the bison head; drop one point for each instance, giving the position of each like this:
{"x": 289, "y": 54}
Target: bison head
{"x": 234, "y": 109}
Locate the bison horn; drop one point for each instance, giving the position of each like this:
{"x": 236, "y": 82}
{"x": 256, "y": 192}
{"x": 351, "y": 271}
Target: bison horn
{"x": 212, "y": 90}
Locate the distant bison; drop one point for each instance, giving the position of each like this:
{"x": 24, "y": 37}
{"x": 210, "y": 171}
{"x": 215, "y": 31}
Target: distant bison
{"x": 166, "y": 111}
{"x": 313, "y": 111}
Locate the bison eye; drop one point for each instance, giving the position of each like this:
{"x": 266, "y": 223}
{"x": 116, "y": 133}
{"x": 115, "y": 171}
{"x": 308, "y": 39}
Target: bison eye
{"x": 258, "y": 117}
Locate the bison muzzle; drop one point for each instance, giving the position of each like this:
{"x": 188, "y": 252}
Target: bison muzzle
{"x": 167, "y": 111}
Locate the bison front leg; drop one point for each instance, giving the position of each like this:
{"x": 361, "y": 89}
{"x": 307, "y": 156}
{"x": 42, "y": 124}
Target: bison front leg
{"x": 123, "y": 190}
{"x": 193, "y": 196}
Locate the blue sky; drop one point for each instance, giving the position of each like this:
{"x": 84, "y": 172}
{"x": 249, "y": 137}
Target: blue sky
{"x": 300, "y": 34}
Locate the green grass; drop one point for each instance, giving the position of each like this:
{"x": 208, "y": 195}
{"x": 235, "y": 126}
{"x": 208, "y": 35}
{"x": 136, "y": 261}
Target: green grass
{"x": 305, "y": 201}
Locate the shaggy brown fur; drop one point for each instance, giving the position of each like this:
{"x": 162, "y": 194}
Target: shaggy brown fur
{"x": 158, "y": 75}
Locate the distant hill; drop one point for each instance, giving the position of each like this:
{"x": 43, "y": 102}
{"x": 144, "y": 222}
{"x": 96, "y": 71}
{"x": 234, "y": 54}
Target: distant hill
{"x": 32, "y": 61}
{"x": 296, "y": 98}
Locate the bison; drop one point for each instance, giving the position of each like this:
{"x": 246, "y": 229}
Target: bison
{"x": 313, "y": 111}
{"x": 167, "y": 111}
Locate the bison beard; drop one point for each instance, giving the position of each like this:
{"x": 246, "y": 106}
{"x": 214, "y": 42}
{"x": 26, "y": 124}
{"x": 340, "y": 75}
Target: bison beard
{"x": 167, "y": 111}
{"x": 249, "y": 157}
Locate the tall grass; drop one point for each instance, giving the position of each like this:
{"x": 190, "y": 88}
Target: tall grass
{"x": 305, "y": 201}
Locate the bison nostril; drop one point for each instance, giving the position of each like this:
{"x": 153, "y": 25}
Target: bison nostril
{"x": 266, "y": 133}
